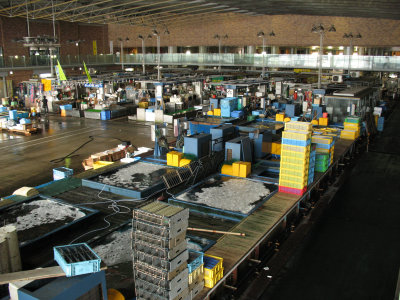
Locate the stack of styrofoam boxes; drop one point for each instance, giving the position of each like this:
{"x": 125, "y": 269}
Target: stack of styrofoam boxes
{"x": 196, "y": 272}
{"x": 325, "y": 147}
{"x": 213, "y": 270}
{"x": 228, "y": 105}
{"x": 351, "y": 129}
{"x": 311, "y": 166}
{"x": 295, "y": 157}
{"x": 160, "y": 252}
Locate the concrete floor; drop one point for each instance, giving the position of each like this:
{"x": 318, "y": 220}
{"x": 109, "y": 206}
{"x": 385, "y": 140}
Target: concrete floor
{"x": 25, "y": 161}
{"x": 353, "y": 253}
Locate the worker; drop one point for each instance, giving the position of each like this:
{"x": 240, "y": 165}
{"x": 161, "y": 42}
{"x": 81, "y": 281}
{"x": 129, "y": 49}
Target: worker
{"x": 44, "y": 103}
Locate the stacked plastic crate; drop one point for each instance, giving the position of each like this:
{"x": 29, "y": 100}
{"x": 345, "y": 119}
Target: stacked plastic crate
{"x": 295, "y": 157}
{"x": 213, "y": 270}
{"x": 351, "y": 129}
{"x": 196, "y": 272}
{"x": 311, "y": 166}
{"x": 160, "y": 252}
{"x": 325, "y": 147}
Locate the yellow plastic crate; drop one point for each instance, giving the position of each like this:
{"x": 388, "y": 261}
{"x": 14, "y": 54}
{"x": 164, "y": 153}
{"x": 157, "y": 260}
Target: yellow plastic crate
{"x": 323, "y": 121}
{"x": 210, "y": 282}
{"x": 293, "y": 162}
{"x": 210, "y": 113}
{"x": 227, "y": 170}
{"x": 294, "y": 154}
{"x": 173, "y": 158}
{"x": 349, "y": 134}
{"x": 290, "y": 172}
{"x": 300, "y": 149}
{"x": 297, "y": 165}
{"x": 321, "y": 139}
{"x": 245, "y": 169}
{"x": 314, "y": 122}
{"x": 211, "y": 273}
{"x": 298, "y": 126}
{"x": 279, "y": 117}
{"x": 276, "y": 148}
{"x": 199, "y": 271}
{"x": 184, "y": 162}
{"x": 353, "y": 126}
{"x": 292, "y": 184}
{"x": 217, "y": 112}
{"x": 323, "y": 150}
{"x": 297, "y": 179}
{"x": 236, "y": 168}
{"x": 296, "y": 135}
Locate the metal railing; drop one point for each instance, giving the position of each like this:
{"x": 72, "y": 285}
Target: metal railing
{"x": 306, "y": 61}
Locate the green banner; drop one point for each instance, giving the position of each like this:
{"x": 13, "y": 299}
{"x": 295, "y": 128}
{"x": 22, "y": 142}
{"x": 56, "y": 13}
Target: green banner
{"x": 61, "y": 72}
{"x": 87, "y": 73}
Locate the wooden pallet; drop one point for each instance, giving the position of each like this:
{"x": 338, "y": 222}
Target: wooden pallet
{"x": 27, "y": 132}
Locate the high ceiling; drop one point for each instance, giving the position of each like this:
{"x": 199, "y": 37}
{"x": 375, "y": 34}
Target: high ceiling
{"x": 162, "y": 12}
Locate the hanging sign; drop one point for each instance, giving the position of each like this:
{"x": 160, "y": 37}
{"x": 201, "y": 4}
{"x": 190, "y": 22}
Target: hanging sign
{"x": 93, "y": 85}
{"x": 94, "y": 47}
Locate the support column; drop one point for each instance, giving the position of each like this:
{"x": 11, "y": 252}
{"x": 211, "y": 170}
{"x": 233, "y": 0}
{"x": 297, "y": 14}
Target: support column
{"x": 274, "y": 50}
{"x": 172, "y": 49}
{"x": 348, "y": 51}
{"x": 250, "y": 52}
{"x": 202, "y": 58}
{"x": 361, "y": 51}
{"x": 5, "y": 87}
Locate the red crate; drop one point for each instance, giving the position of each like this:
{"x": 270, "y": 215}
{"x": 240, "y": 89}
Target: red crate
{"x": 293, "y": 191}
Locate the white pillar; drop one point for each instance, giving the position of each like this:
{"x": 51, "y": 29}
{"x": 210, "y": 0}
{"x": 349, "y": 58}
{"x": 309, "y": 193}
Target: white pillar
{"x": 9, "y": 232}
{"x": 202, "y": 58}
{"x": 274, "y": 49}
{"x": 4, "y": 259}
{"x": 250, "y": 49}
{"x": 172, "y": 49}
{"x": 361, "y": 51}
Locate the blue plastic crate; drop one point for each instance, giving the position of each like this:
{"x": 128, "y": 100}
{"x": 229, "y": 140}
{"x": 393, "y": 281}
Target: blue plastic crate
{"x": 195, "y": 260}
{"x": 77, "y": 259}
{"x": 105, "y": 115}
{"x": 62, "y": 172}
{"x": 324, "y": 146}
{"x": 237, "y": 114}
{"x": 296, "y": 142}
{"x": 210, "y": 262}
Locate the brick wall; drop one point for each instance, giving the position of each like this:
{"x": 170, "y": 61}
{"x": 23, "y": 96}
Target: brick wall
{"x": 12, "y": 28}
{"x": 290, "y": 30}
